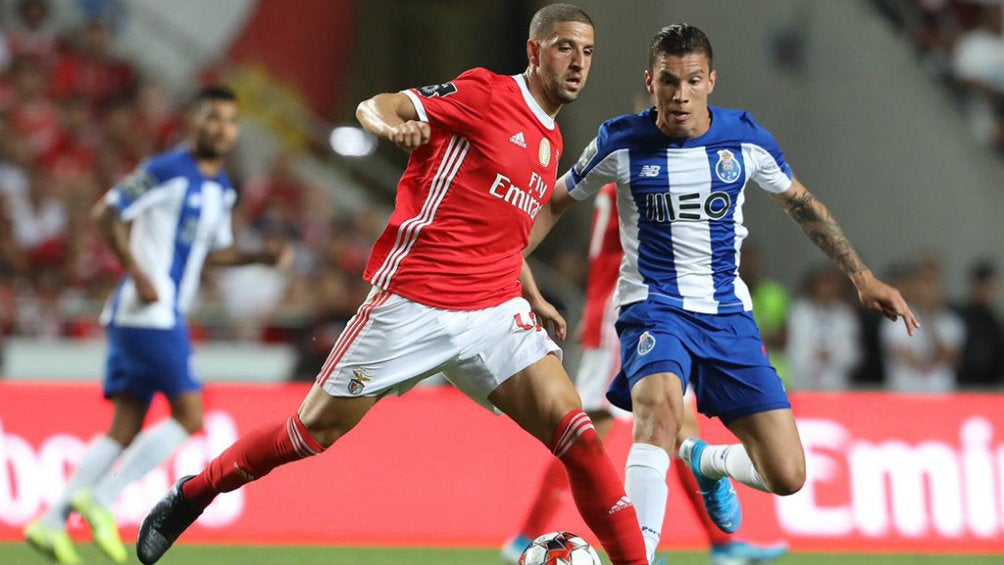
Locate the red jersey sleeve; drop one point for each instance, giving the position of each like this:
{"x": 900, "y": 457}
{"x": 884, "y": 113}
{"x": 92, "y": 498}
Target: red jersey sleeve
{"x": 456, "y": 105}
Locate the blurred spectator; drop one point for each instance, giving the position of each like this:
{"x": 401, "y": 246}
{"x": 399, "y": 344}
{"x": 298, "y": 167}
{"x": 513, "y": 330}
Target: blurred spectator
{"x": 34, "y": 35}
{"x": 961, "y": 42}
{"x": 280, "y": 200}
{"x": 71, "y": 157}
{"x": 982, "y": 364}
{"x": 823, "y": 342}
{"x": 770, "y": 308}
{"x": 122, "y": 132}
{"x": 978, "y": 64}
{"x": 331, "y": 291}
{"x": 870, "y": 371}
{"x": 279, "y": 206}
{"x": 251, "y": 294}
{"x": 926, "y": 362}
{"x": 32, "y": 113}
{"x": 92, "y": 71}
{"x": 157, "y": 117}
{"x": 334, "y": 297}
{"x": 75, "y": 119}
{"x": 38, "y": 221}
{"x": 13, "y": 185}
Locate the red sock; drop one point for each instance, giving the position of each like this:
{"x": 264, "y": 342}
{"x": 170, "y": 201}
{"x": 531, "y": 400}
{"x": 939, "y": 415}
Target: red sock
{"x": 693, "y": 492}
{"x": 552, "y": 486}
{"x": 597, "y": 490}
{"x": 252, "y": 457}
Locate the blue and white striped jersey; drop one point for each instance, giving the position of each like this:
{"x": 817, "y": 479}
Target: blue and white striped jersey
{"x": 680, "y": 204}
{"x": 178, "y": 216}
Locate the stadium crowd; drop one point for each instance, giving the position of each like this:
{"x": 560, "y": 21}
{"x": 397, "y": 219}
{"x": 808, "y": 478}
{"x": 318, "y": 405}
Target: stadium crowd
{"x": 75, "y": 117}
{"x": 961, "y": 42}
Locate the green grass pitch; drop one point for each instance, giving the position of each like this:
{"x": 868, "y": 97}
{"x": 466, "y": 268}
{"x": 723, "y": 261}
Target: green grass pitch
{"x": 21, "y": 554}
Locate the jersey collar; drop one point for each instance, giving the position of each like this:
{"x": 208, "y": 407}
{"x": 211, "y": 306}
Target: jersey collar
{"x": 546, "y": 120}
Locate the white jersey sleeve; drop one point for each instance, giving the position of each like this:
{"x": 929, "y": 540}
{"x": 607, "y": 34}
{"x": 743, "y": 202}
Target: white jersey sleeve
{"x": 601, "y": 163}
{"x": 142, "y": 190}
{"x": 768, "y": 168}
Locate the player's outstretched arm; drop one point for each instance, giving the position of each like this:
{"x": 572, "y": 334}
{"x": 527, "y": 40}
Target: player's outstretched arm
{"x": 817, "y": 223}
{"x": 548, "y": 215}
{"x": 116, "y": 233}
{"x": 279, "y": 256}
{"x": 393, "y": 116}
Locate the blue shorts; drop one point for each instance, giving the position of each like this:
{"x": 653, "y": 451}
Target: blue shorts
{"x": 721, "y": 355}
{"x": 144, "y": 361}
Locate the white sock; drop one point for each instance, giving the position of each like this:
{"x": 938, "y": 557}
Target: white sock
{"x": 645, "y": 484}
{"x": 95, "y": 462}
{"x": 150, "y": 449}
{"x": 719, "y": 461}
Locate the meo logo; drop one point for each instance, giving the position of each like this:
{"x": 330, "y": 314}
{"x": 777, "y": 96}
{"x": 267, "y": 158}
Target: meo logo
{"x": 668, "y": 207}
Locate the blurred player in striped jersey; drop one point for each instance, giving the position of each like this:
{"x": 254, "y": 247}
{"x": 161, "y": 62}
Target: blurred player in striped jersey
{"x": 446, "y": 294}
{"x": 164, "y": 221}
{"x": 681, "y": 169}
{"x": 598, "y": 366}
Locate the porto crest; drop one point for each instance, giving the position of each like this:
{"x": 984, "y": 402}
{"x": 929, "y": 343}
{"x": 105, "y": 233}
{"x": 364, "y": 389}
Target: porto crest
{"x": 646, "y": 343}
{"x": 728, "y": 168}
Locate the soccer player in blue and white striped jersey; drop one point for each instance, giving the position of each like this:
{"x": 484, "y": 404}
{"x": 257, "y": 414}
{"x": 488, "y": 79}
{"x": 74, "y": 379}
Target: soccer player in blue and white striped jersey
{"x": 163, "y": 222}
{"x": 681, "y": 170}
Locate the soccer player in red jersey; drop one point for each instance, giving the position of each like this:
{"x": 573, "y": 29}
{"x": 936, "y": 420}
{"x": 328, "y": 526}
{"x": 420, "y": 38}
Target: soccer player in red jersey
{"x": 446, "y": 292}
{"x": 598, "y": 365}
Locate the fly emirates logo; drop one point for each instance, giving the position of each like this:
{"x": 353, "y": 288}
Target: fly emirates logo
{"x": 528, "y": 199}
{"x": 949, "y": 488}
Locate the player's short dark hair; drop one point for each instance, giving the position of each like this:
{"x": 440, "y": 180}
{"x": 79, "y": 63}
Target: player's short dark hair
{"x": 548, "y": 17}
{"x": 215, "y": 92}
{"x": 679, "y": 40}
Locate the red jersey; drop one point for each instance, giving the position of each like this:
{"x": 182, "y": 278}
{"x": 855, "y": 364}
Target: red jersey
{"x": 467, "y": 201}
{"x": 605, "y": 254}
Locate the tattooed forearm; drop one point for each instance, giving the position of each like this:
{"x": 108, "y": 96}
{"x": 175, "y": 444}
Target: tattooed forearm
{"x": 817, "y": 223}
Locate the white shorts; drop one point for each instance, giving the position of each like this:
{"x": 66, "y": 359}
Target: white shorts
{"x": 392, "y": 343}
{"x": 597, "y": 368}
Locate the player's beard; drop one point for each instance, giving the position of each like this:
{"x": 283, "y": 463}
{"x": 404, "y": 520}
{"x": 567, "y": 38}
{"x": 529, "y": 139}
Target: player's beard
{"x": 206, "y": 149}
{"x": 563, "y": 95}
{"x": 207, "y": 152}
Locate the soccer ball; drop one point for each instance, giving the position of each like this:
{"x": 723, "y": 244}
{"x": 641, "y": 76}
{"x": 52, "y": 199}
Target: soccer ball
{"x": 559, "y": 548}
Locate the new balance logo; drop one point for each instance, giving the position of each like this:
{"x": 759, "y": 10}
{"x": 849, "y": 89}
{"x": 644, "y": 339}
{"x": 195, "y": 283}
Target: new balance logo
{"x": 518, "y": 139}
{"x": 649, "y": 171}
{"x": 623, "y": 503}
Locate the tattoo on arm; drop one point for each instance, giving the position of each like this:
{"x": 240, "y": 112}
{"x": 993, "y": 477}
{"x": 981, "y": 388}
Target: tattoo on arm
{"x": 817, "y": 223}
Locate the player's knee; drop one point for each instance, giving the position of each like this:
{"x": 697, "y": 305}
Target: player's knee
{"x": 788, "y": 479}
{"x": 324, "y": 432}
{"x": 191, "y": 423}
{"x": 654, "y": 403}
{"x": 655, "y": 422}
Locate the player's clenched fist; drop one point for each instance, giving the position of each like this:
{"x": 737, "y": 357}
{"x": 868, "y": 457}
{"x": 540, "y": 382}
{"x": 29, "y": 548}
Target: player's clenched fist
{"x": 410, "y": 134}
